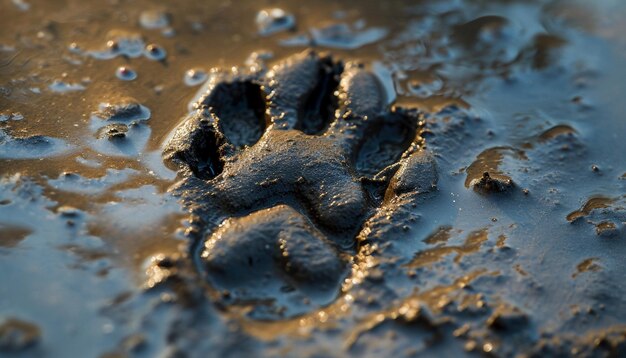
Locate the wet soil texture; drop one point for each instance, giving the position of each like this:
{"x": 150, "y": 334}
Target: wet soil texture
{"x": 399, "y": 178}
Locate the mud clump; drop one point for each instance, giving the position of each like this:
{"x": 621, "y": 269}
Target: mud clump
{"x": 486, "y": 174}
{"x": 113, "y": 132}
{"x": 123, "y": 110}
{"x": 281, "y": 169}
{"x": 607, "y": 215}
{"x": 496, "y": 184}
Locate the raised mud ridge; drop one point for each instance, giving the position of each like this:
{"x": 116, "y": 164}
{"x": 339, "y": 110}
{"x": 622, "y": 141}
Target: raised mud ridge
{"x": 291, "y": 175}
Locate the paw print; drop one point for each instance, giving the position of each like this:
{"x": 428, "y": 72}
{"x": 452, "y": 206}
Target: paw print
{"x": 286, "y": 172}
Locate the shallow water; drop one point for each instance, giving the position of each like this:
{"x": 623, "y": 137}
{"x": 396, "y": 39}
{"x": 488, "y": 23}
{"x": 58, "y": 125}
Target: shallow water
{"x": 529, "y": 91}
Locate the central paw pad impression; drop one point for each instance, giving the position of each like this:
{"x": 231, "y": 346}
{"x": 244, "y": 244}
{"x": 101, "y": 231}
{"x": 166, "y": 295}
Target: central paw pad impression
{"x": 282, "y": 170}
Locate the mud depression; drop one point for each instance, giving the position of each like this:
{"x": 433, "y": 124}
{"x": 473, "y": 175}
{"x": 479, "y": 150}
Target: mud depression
{"x": 247, "y": 178}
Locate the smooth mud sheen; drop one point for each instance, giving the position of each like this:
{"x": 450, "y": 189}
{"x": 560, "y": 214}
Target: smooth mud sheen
{"x": 215, "y": 178}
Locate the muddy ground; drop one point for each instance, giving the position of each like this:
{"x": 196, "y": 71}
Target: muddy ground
{"x": 397, "y": 178}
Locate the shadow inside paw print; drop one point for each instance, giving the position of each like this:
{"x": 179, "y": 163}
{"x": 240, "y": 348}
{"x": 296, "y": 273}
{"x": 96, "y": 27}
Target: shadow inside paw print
{"x": 285, "y": 171}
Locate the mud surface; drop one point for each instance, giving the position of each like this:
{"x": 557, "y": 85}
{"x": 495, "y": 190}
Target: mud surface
{"x": 287, "y": 178}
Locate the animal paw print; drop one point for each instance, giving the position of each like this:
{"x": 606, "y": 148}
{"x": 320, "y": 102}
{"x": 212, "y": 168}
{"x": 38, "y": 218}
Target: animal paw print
{"x": 285, "y": 173}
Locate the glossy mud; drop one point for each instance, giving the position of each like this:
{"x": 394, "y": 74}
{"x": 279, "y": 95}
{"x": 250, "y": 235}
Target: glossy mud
{"x": 518, "y": 249}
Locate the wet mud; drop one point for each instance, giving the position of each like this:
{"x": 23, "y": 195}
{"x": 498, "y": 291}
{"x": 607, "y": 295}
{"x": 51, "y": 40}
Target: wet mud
{"x": 429, "y": 178}
{"x": 330, "y": 155}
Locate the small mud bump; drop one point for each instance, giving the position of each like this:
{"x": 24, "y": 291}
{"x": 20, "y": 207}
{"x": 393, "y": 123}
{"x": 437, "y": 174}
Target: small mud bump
{"x": 598, "y": 202}
{"x": 271, "y": 21}
{"x": 17, "y": 335}
{"x": 154, "y": 19}
{"x": 155, "y": 52}
{"x": 123, "y": 110}
{"x": 607, "y": 229}
{"x": 125, "y": 73}
{"x": 113, "y": 132}
{"x": 492, "y": 184}
{"x": 485, "y": 173}
{"x": 588, "y": 265}
{"x": 120, "y": 138}
{"x": 557, "y": 131}
{"x": 195, "y": 77}
{"x": 68, "y": 211}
